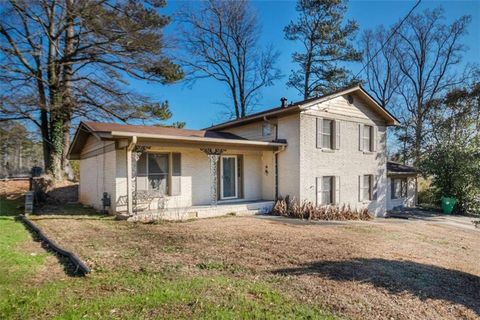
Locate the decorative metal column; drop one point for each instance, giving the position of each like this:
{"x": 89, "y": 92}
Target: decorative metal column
{"x": 213, "y": 157}
{"x": 136, "y": 154}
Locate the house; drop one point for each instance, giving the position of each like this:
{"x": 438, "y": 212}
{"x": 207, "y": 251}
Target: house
{"x": 327, "y": 150}
{"x": 401, "y": 186}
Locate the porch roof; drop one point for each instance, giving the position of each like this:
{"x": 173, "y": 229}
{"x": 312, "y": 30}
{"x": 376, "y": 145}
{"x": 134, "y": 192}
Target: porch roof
{"x": 146, "y": 135}
{"x": 395, "y": 168}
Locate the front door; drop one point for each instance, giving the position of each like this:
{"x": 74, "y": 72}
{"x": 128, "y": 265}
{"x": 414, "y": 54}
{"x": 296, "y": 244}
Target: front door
{"x": 228, "y": 179}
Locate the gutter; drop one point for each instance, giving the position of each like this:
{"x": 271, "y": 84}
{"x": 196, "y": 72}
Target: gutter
{"x": 118, "y": 134}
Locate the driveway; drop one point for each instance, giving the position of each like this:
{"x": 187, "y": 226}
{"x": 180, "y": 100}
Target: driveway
{"x": 406, "y": 216}
{"x": 462, "y": 222}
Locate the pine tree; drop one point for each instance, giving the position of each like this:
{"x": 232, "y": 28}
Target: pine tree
{"x": 326, "y": 41}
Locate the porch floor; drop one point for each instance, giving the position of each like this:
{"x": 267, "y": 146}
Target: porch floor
{"x": 238, "y": 207}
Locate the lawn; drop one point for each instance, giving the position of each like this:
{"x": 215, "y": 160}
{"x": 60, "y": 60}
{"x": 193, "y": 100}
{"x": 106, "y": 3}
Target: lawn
{"x": 34, "y": 285}
{"x": 242, "y": 267}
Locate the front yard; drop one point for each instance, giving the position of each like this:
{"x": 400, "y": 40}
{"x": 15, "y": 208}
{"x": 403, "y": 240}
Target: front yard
{"x": 242, "y": 267}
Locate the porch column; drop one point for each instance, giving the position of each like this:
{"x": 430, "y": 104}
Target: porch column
{"x": 213, "y": 156}
{"x": 131, "y": 145}
{"x": 136, "y": 154}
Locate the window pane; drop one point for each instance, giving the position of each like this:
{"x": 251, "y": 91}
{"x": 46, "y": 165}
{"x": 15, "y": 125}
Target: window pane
{"x": 327, "y": 134}
{"x": 327, "y": 141}
{"x": 326, "y": 197}
{"x": 266, "y": 129}
{"x": 142, "y": 164}
{"x": 158, "y": 183}
{"x": 327, "y": 190}
{"x": 367, "y": 187}
{"x": 366, "y": 194}
{"x": 366, "y": 138}
{"x": 176, "y": 163}
{"x": 157, "y": 163}
{"x": 326, "y": 183}
{"x": 327, "y": 127}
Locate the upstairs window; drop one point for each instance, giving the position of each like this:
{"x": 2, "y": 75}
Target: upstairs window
{"x": 367, "y": 138}
{"x": 327, "y": 134}
{"x": 266, "y": 129}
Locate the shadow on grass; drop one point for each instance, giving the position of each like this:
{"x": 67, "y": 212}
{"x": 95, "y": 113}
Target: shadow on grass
{"x": 68, "y": 267}
{"x": 10, "y": 207}
{"x": 422, "y": 280}
{"x": 67, "y": 209}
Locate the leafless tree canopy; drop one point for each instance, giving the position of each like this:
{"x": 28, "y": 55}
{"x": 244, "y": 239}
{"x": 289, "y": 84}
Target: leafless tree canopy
{"x": 382, "y": 73}
{"x": 62, "y": 59}
{"x": 221, "y": 40}
{"x": 418, "y": 65}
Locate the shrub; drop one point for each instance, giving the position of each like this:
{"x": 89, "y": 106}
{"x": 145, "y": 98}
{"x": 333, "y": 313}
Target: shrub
{"x": 307, "y": 210}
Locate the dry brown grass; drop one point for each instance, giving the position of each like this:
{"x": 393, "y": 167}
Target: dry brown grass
{"x": 13, "y": 189}
{"x": 307, "y": 210}
{"x": 363, "y": 270}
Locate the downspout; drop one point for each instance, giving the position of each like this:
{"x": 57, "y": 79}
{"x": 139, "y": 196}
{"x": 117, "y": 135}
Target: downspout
{"x": 131, "y": 145}
{"x": 275, "y": 153}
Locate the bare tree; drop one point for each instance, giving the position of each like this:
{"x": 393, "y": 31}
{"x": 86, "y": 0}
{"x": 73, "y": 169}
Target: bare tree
{"x": 221, "y": 39}
{"x": 428, "y": 52}
{"x": 382, "y": 73}
{"x": 62, "y": 59}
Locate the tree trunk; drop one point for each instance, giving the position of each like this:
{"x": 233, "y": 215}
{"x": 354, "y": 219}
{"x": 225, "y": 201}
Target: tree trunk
{"x": 418, "y": 142}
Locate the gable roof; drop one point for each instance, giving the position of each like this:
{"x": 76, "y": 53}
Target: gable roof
{"x": 114, "y": 131}
{"x": 398, "y": 168}
{"x": 301, "y": 105}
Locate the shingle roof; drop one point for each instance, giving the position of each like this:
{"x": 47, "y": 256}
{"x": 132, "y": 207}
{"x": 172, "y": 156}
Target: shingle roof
{"x": 294, "y": 107}
{"x": 109, "y": 127}
{"x": 395, "y": 167}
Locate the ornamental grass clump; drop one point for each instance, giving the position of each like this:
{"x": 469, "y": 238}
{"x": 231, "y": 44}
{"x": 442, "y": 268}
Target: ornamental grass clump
{"x": 307, "y": 210}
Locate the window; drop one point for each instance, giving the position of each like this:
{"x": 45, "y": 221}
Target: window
{"x": 367, "y": 138}
{"x": 266, "y": 129}
{"x": 159, "y": 172}
{"x": 327, "y": 190}
{"x": 367, "y": 187}
{"x": 399, "y": 188}
{"x": 327, "y": 134}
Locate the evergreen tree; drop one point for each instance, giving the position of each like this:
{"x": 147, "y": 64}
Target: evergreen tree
{"x": 326, "y": 41}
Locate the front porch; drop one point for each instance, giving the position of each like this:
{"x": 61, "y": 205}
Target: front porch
{"x": 223, "y": 208}
{"x": 178, "y": 181}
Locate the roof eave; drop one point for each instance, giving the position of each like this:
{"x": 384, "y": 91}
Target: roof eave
{"x": 119, "y": 134}
{"x": 233, "y": 123}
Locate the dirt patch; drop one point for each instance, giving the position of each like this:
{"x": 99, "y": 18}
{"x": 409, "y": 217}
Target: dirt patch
{"x": 13, "y": 189}
{"x": 404, "y": 270}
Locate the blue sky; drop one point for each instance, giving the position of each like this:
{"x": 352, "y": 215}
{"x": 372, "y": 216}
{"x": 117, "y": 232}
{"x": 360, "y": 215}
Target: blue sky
{"x": 198, "y": 104}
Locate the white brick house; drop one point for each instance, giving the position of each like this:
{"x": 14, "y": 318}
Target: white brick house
{"x": 327, "y": 150}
